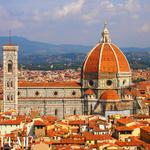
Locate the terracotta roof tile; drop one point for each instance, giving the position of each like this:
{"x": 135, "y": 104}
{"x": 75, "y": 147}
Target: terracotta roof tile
{"x": 125, "y": 120}
{"x": 89, "y": 92}
{"x": 123, "y": 128}
{"x": 49, "y": 84}
{"x": 132, "y": 143}
{"x": 146, "y": 128}
{"x": 92, "y": 60}
{"x": 105, "y": 58}
{"x": 10, "y": 122}
{"x": 103, "y": 137}
{"x": 109, "y": 95}
{"x": 39, "y": 123}
{"x": 76, "y": 122}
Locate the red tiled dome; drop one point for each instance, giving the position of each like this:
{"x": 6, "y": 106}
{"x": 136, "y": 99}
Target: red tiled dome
{"x": 110, "y": 95}
{"x": 105, "y": 58}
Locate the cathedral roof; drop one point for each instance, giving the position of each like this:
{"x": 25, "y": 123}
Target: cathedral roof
{"x": 110, "y": 95}
{"x": 49, "y": 84}
{"x": 105, "y": 57}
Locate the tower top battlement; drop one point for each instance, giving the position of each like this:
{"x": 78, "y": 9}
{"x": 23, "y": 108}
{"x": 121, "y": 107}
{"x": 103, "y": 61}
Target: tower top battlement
{"x": 10, "y": 47}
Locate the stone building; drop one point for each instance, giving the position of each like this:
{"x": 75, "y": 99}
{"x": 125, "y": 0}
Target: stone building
{"x": 104, "y": 75}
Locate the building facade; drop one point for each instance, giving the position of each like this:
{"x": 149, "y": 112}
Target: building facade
{"x": 55, "y": 98}
{"x": 104, "y": 75}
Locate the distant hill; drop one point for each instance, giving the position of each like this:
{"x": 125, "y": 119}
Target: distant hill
{"x": 39, "y": 55}
{"x": 135, "y": 49}
{"x": 27, "y": 47}
{"x": 137, "y": 60}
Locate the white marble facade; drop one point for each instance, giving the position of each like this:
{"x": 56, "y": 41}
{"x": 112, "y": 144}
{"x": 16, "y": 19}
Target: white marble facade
{"x": 50, "y": 101}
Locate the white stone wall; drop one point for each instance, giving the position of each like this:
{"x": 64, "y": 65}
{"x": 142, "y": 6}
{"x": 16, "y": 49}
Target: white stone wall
{"x": 66, "y": 102}
{"x": 103, "y": 84}
{"x": 87, "y": 85}
{"x": 49, "y": 92}
{"x": 6, "y": 129}
{"x": 124, "y": 79}
{"x": 121, "y": 112}
{"x": 64, "y": 107}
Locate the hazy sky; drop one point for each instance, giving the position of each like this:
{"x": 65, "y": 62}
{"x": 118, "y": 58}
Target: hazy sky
{"x": 77, "y": 21}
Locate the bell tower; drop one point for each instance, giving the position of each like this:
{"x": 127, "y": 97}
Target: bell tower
{"x": 10, "y": 77}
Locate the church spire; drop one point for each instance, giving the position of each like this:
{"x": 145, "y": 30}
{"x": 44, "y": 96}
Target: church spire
{"x": 105, "y": 35}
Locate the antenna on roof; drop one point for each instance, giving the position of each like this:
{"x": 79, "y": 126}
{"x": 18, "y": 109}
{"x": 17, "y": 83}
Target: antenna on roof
{"x": 9, "y": 36}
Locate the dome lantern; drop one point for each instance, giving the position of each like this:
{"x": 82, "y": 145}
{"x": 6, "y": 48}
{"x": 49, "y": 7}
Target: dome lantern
{"x": 105, "y": 35}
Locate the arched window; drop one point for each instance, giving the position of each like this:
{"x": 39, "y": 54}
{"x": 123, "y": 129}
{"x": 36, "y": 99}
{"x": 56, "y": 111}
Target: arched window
{"x": 18, "y": 93}
{"x": 56, "y": 112}
{"x": 91, "y": 109}
{"x": 74, "y": 112}
{"x": 10, "y": 66}
{"x": 11, "y": 97}
{"x": 11, "y": 84}
{"x": 7, "y": 83}
{"x": 8, "y": 97}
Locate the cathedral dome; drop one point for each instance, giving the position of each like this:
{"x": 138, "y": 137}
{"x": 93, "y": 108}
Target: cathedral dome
{"x": 110, "y": 95}
{"x": 105, "y": 57}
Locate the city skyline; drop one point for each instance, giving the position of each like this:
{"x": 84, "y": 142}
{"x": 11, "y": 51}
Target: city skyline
{"x": 77, "y": 21}
{"x": 55, "y": 96}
